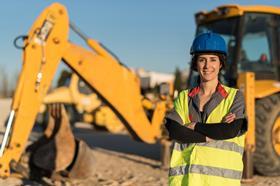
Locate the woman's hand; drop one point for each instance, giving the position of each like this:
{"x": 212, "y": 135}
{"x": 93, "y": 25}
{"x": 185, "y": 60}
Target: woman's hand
{"x": 230, "y": 117}
{"x": 191, "y": 125}
{"x": 208, "y": 139}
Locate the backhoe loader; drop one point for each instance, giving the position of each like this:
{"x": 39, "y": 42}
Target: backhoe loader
{"x": 46, "y": 44}
{"x": 252, "y": 34}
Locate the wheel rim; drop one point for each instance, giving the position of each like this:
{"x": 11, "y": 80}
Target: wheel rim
{"x": 276, "y": 136}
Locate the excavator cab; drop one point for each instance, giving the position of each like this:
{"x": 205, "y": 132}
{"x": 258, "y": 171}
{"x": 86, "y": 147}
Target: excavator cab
{"x": 252, "y": 35}
{"x": 252, "y": 38}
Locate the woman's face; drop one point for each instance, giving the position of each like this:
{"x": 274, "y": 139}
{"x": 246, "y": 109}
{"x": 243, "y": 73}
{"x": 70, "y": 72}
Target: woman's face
{"x": 208, "y": 67}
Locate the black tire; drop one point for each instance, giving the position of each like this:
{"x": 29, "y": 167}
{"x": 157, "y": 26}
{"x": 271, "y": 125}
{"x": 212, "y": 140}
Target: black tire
{"x": 266, "y": 160}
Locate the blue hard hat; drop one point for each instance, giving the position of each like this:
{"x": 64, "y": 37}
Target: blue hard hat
{"x": 209, "y": 42}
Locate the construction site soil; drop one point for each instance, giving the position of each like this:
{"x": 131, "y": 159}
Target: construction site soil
{"x": 119, "y": 160}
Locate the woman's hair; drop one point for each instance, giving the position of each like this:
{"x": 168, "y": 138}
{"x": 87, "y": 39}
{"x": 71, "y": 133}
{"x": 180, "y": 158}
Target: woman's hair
{"x": 222, "y": 58}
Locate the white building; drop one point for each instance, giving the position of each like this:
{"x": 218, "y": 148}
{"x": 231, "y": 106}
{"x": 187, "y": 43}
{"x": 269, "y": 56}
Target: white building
{"x": 149, "y": 79}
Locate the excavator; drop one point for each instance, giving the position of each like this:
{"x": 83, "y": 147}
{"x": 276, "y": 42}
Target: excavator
{"x": 252, "y": 34}
{"x": 45, "y": 46}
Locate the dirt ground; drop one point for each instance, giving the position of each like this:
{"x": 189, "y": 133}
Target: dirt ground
{"x": 122, "y": 169}
{"x": 119, "y": 161}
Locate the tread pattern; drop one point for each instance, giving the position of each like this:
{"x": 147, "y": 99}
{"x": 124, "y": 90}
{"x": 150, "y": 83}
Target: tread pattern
{"x": 266, "y": 160}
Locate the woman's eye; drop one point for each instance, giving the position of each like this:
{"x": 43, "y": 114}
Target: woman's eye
{"x": 201, "y": 60}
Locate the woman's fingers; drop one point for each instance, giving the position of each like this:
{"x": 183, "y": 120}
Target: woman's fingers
{"x": 208, "y": 139}
{"x": 191, "y": 125}
{"x": 229, "y": 118}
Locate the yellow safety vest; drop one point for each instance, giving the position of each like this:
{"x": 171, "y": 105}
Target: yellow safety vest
{"x": 215, "y": 163}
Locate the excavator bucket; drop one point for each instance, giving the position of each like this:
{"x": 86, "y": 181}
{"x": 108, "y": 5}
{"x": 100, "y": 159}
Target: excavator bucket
{"x": 57, "y": 152}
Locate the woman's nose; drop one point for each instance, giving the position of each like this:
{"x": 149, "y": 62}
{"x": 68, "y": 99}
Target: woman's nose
{"x": 206, "y": 64}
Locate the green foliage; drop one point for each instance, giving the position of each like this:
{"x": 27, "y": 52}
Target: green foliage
{"x": 178, "y": 80}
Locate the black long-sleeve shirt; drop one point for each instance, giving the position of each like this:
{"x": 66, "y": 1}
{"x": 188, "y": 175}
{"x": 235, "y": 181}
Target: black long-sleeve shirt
{"x": 217, "y": 131}
{"x": 182, "y": 134}
{"x": 220, "y": 131}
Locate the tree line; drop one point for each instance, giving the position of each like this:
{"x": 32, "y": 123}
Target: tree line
{"x": 7, "y": 83}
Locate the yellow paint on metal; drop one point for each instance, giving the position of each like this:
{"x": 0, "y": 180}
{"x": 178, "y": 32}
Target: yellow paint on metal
{"x": 49, "y": 33}
{"x": 46, "y": 45}
{"x": 59, "y": 95}
{"x": 227, "y": 11}
{"x": 246, "y": 83}
{"x": 89, "y": 105}
{"x": 121, "y": 89}
{"x": 107, "y": 118}
{"x": 147, "y": 104}
{"x": 276, "y": 136}
{"x": 266, "y": 88}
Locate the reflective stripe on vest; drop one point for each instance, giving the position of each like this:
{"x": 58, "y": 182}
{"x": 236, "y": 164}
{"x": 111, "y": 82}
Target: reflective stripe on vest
{"x": 225, "y": 145}
{"x": 214, "y": 171}
{"x": 217, "y": 162}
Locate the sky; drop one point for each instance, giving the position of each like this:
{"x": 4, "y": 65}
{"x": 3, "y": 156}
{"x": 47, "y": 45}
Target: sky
{"x": 151, "y": 34}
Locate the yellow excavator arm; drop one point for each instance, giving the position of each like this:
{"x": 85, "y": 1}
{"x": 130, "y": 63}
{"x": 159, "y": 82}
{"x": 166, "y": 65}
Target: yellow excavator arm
{"x": 46, "y": 45}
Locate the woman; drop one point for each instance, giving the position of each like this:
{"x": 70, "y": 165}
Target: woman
{"x": 207, "y": 123}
